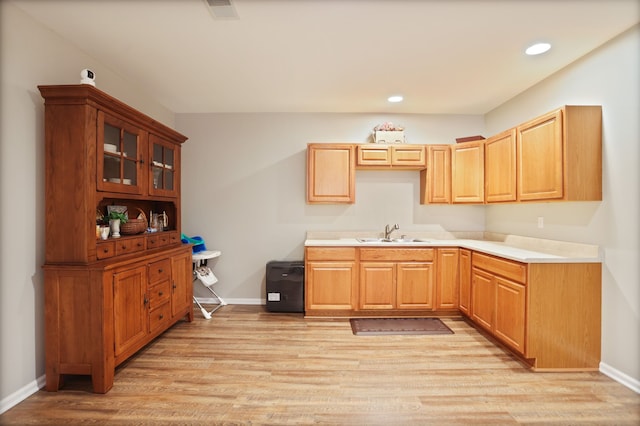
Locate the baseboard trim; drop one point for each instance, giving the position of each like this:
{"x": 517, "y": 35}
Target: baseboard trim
{"x": 620, "y": 377}
{"x": 21, "y": 394}
{"x": 213, "y": 301}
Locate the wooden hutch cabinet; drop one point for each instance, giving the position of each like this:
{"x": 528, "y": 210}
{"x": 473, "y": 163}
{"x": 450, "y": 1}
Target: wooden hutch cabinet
{"x": 106, "y": 299}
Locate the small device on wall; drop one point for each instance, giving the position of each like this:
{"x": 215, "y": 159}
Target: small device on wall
{"x": 87, "y": 77}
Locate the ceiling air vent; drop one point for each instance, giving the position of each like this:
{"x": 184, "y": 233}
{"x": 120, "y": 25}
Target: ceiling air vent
{"x": 221, "y": 9}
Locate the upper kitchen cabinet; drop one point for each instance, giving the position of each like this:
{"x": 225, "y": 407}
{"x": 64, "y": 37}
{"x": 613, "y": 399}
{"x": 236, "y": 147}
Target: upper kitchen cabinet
{"x": 435, "y": 180}
{"x": 559, "y": 155}
{"x": 467, "y": 172}
{"x": 331, "y": 173}
{"x": 500, "y": 167}
{"x": 384, "y": 157}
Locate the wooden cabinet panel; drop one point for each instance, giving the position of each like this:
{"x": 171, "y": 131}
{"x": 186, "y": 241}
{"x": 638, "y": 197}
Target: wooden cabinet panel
{"x": 559, "y": 155}
{"x": 129, "y": 245}
{"x": 398, "y": 254}
{"x": 447, "y": 282}
{"x": 160, "y": 317}
{"x": 159, "y": 294}
{"x": 373, "y": 155}
{"x": 164, "y": 162}
{"x": 130, "y": 308}
{"x": 181, "y": 286}
{"x": 540, "y": 161}
{"x": 435, "y": 180}
{"x": 564, "y": 309}
{"x": 159, "y": 271}
{"x": 500, "y": 167}
{"x": 510, "y": 313}
{"x": 377, "y": 285}
{"x": 120, "y": 155}
{"x": 467, "y": 172}
{"x": 330, "y": 253}
{"x": 515, "y": 271}
{"x": 408, "y": 155}
{"x": 483, "y": 298}
{"x": 414, "y": 282}
{"x": 331, "y": 173}
{"x": 106, "y": 249}
{"x": 330, "y": 285}
{"x": 464, "y": 302}
{"x": 405, "y": 156}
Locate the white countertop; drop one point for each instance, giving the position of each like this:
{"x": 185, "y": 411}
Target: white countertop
{"x": 536, "y": 250}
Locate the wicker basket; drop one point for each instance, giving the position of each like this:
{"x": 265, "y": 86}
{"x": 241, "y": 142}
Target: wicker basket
{"x": 134, "y": 226}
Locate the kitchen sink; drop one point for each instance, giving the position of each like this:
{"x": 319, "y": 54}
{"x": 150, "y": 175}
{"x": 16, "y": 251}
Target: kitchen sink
{"x": 392, "y": 240}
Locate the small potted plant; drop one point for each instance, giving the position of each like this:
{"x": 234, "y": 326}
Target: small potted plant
{"x": 115, "y": 219}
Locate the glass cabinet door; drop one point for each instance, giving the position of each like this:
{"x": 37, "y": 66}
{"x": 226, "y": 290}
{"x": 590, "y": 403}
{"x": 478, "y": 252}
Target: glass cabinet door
{"x": 163, "y": 164}
{"x": 120, "y": 155}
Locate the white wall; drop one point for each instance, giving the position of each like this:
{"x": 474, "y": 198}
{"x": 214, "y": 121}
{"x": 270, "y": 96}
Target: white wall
{"x": 32, "y": 56}
{"x": 608, "y": 77}
{"x": 243, "y": 186}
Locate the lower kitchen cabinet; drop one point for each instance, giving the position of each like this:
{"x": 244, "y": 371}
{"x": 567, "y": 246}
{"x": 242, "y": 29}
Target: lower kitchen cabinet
{"x": 464, "y": 299}
{"x": 499, "y": 299}
{"x": 510, "y": 313}
{"x": 548, "y": 313}
{"x": 447, "y": 279}
{"x": 483, "y": 295}
{"x": 98, "y": 315}
{"x": 396, "y": 285}
{"x": 396, "y": 278}
{"x": 330, "y": 279}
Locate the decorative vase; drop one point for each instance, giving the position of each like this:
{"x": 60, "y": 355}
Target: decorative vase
{"x": 115, "y": 228}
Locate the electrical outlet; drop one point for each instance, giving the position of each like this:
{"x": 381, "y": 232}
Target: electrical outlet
{"x": 540, "y": 222}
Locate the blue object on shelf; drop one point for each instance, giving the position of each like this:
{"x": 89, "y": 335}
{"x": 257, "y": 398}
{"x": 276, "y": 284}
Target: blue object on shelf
{"x": 198, "y": 243}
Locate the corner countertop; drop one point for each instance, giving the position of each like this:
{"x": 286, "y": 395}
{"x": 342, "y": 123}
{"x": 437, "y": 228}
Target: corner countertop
{"x": 513, "y": 247}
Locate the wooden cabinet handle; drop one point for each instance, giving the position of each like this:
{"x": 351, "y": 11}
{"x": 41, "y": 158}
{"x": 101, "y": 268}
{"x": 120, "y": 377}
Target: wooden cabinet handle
{"x": 161, "y": 316}
{"x": 105, "y": 250}
{"x": 146, "y": 300}
{"x": 160, "y": 270}
{"x": 160, "y": 293}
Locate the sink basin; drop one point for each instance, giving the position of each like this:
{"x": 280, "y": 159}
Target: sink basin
{"x": 371, "y": 240}
{"x": 392, "y": 240}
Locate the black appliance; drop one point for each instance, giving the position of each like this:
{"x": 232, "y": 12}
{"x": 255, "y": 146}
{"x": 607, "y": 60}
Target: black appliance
{"x": 285, "y": 286}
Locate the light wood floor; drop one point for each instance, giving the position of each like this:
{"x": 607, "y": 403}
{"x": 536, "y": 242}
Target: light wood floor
{"x": 248, "y": 366}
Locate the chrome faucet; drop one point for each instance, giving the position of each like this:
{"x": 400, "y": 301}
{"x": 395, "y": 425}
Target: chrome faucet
{"x": 388, "y": 230}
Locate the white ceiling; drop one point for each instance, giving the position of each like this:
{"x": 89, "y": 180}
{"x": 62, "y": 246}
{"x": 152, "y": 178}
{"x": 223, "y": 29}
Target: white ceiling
{"x": 444, "y": 56}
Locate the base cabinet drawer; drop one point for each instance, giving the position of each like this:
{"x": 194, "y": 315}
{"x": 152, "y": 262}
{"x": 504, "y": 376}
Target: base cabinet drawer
{"x": 160, "y": 316}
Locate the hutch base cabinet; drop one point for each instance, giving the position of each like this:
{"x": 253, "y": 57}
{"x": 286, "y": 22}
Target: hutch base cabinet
{"x": 98, "y": 316}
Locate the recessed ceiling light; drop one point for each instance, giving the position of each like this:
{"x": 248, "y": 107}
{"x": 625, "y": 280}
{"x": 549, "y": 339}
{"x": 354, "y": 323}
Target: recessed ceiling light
{"x": 396, "y": 98}
{"x": 537, "y": 48}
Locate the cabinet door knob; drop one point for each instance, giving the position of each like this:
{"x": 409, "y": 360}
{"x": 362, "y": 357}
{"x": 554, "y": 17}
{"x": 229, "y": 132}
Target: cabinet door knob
{"x": 160, "y": 293}
{"x": 161, "y": 316}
